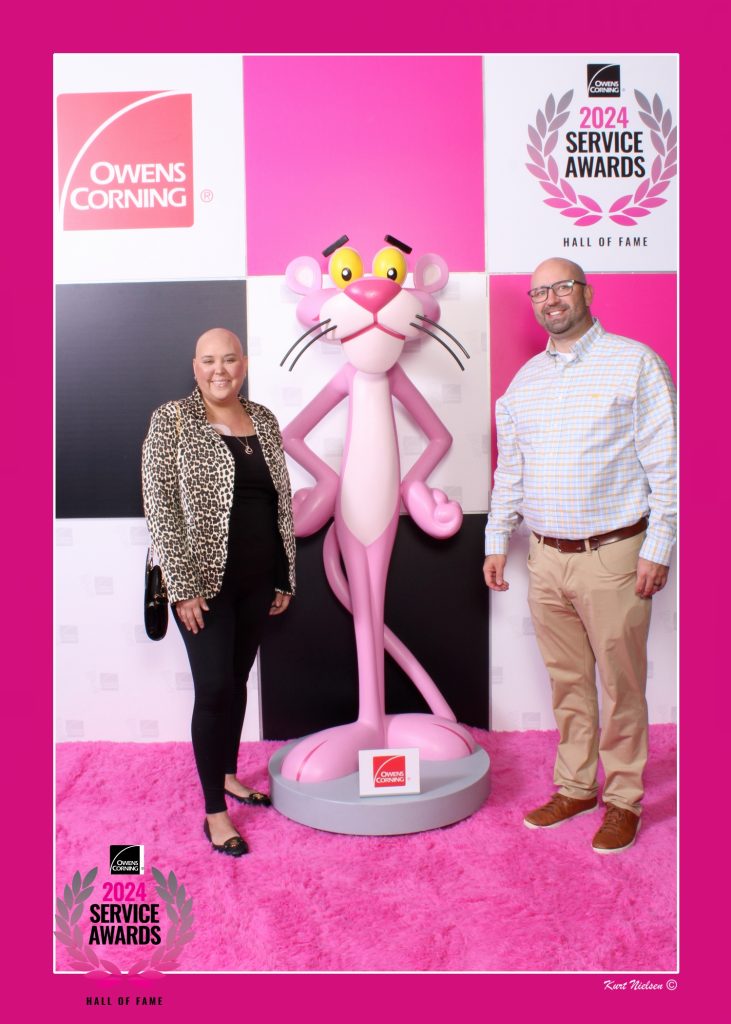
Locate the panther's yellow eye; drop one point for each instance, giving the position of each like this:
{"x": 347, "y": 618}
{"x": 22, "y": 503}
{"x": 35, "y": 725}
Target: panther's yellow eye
{"x": 345, "y": 266}
{"x": 390, "y": 263}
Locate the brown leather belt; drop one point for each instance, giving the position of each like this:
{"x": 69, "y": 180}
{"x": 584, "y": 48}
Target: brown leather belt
{"x": 573, "y": 547}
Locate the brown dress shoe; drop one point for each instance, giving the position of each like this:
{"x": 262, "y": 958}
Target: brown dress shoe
{"x": 558, "y": 809}
{"x": 618, "y": 832}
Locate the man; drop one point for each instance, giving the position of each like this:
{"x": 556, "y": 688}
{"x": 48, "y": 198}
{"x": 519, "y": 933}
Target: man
{"x": 586, "y": 439}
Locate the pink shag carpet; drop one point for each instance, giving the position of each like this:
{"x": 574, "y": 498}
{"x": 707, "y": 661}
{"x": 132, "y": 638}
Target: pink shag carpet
{"x": 486, "y": 894}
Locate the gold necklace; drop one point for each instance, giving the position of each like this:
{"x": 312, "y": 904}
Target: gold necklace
{"x": 245, "y": 443}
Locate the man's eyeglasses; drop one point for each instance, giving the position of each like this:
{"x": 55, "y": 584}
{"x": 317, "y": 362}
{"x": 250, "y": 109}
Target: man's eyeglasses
{"x": 559, "y": 288}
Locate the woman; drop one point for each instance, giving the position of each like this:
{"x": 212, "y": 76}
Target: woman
{"x": 218, "y": 505}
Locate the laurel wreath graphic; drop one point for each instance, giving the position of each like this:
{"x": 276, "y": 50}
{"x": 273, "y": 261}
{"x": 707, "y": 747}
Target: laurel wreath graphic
{"x": 582, "y": 209}
{"x": 70, "y": 907}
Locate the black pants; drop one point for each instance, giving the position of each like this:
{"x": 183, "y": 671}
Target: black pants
{"x": 221, "y": 656}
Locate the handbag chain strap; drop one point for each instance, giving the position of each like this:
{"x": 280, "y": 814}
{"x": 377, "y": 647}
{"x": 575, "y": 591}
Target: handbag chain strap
{"x": 178, "y": 430}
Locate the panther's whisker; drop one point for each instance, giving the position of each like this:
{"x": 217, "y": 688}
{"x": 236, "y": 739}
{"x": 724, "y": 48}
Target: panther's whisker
{"x": 420, "y": 316}
{"x": 311, "y": 342}
{"x": 441, "y": 341}
{"x": 302, "y": 338}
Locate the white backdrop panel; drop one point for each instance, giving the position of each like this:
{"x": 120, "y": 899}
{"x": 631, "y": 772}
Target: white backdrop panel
{"x": 112, "y": 683}
{"x": 521, "y": 228}
{"x": 214, "y": 247}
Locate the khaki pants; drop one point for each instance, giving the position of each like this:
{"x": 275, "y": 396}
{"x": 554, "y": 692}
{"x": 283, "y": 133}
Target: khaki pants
{"x": 585, "y": 612}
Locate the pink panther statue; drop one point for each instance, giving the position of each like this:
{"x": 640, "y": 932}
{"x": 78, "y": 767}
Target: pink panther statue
{"x": 373, "y": 316}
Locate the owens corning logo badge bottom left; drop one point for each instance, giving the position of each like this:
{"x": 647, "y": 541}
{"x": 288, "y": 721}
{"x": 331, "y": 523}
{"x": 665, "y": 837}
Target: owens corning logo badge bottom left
{"x": 127, "y": 860}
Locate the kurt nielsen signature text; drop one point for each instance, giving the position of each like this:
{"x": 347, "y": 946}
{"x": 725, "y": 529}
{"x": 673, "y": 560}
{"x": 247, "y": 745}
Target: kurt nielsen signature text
{"x": 635, "y": 984}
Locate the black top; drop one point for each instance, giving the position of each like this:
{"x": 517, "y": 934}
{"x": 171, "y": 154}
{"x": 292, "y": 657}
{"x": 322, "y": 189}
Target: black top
{"x": 255, "y": 548}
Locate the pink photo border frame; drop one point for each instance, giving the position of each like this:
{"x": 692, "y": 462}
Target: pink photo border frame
{"x": 473, "y": 28}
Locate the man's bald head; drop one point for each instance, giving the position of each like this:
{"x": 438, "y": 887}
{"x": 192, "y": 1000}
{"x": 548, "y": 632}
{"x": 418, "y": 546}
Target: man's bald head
{"x": 565, "y": 317}
{"x": 556, "y": 269}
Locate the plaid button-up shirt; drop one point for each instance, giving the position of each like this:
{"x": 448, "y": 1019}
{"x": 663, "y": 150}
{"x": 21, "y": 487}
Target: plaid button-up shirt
{"x": 588, "y": 445}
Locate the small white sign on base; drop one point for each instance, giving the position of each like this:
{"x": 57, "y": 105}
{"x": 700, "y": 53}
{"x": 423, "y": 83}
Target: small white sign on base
{"x": 389, "y": 772}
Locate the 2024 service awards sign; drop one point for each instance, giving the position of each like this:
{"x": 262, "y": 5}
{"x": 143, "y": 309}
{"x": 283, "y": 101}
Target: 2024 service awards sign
{"x": 586, "y": 148}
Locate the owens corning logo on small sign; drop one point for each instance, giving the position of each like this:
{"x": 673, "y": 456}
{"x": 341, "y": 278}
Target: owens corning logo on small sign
{"x": 389, "y": 771}
{"x": 603, "y": 80}
{"x": 127, "y": 860}
{"x": 125, "y": 160}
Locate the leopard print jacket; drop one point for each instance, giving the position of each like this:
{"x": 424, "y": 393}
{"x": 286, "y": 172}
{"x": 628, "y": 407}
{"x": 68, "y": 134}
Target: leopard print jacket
{"x": 188, "y": 487}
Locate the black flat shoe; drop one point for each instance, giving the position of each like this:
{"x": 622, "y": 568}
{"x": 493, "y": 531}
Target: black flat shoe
{"x": 254, "y": 799}
{"x": 236, "y": 846}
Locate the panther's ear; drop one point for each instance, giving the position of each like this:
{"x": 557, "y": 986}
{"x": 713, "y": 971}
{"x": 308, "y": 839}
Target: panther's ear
{"x": 303, "y": 275}
{"x": 431, "y": 273}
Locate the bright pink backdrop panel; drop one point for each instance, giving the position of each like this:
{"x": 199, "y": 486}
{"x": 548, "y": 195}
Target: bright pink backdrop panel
{"x": 363, "y": 146}
{"x": 640, "y": 306}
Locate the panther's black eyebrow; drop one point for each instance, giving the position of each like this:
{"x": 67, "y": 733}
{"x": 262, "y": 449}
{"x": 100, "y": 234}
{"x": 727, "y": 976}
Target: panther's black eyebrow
{"x": 336, "y": 245}
{"x": 399, "y": 245}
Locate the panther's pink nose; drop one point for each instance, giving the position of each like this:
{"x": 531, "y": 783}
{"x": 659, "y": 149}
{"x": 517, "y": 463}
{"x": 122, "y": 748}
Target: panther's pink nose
{"x": 373, "y": 293}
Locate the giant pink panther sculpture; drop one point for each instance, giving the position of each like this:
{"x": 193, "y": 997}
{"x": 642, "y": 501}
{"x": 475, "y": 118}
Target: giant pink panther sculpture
{"x": 373, "y": 316}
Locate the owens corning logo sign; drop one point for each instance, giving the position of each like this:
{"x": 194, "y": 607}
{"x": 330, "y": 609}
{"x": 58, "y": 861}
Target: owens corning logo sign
{"x": 389, "y": 771}
{"x": 603, "y": 80}
{"x": 126, "y": 860}
{"x": 125, "y": 160}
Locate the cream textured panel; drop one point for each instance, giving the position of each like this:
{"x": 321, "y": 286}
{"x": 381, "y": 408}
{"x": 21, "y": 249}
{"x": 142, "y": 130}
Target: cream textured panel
{"x": 112, "y": 683}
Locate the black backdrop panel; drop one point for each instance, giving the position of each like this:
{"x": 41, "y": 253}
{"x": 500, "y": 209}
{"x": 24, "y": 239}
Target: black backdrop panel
{"x": 122, "y": 350}
{"x": 436, "y": 603}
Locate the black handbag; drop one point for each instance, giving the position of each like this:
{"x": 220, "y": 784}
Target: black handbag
{"x": 156, "y": 599}
{"x": 156, "y": 594}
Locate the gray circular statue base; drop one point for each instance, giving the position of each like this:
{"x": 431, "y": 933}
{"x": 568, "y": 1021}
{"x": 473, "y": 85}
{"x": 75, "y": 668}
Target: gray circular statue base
{"x": 450, "y": 791}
